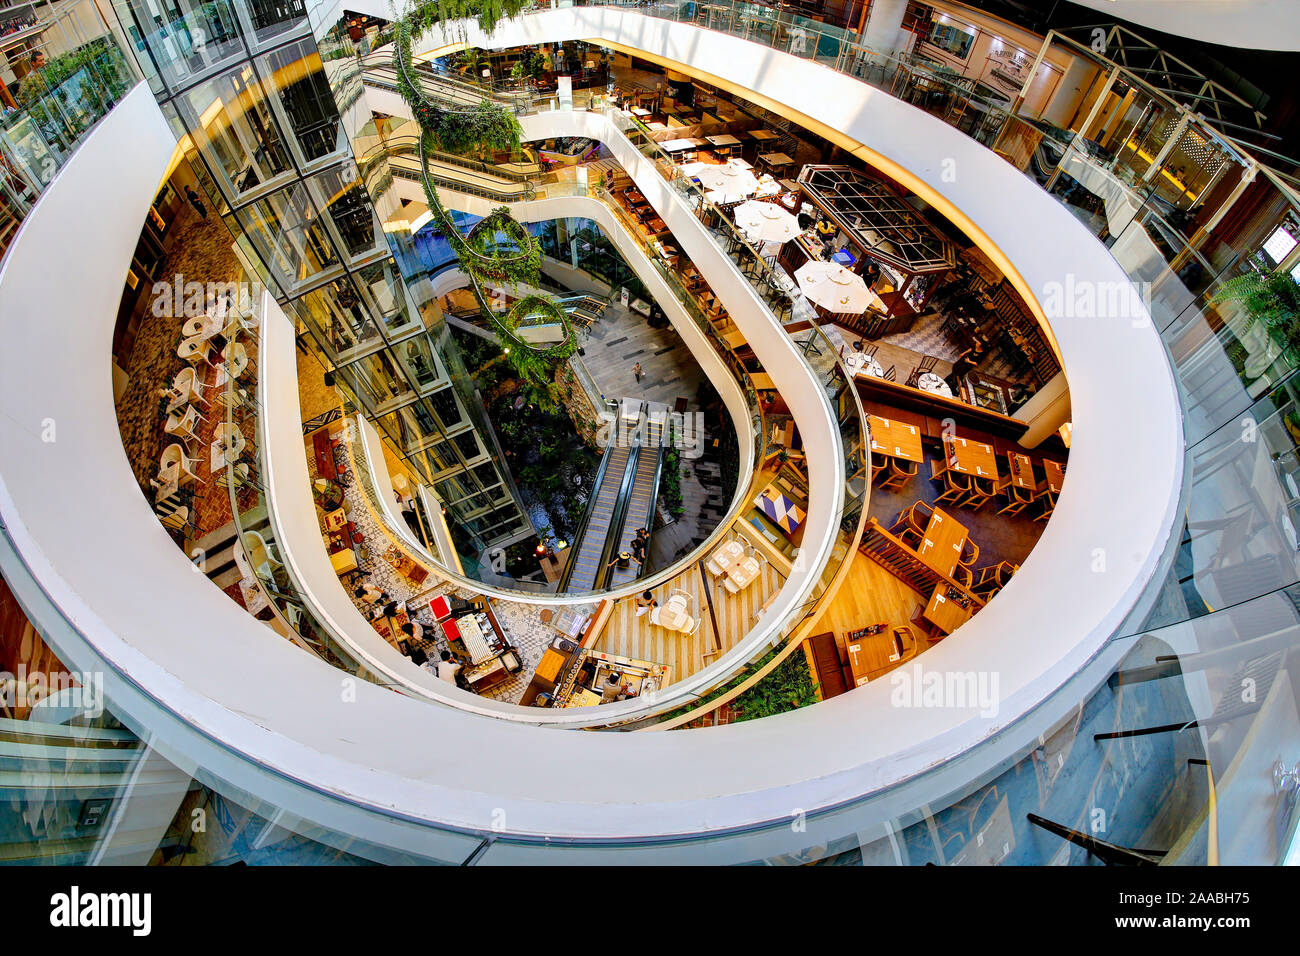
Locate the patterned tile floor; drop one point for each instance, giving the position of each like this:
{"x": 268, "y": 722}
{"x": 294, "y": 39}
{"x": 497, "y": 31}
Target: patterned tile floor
{"x": 521, "y": 622}
{"x": 200, "y": 252}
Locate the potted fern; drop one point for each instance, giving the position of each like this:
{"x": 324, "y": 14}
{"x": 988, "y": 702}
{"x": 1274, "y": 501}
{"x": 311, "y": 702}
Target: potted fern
{"x": 1270, "y": 302}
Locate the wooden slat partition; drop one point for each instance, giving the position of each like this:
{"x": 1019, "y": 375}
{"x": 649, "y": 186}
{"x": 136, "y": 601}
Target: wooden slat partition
{"x": 905, "y": 564}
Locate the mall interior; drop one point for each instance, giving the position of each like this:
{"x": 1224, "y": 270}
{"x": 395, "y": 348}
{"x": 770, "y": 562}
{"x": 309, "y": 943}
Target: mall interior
{"x": 585, "y": 432}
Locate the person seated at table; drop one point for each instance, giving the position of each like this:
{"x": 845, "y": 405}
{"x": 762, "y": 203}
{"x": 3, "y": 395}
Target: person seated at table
{"x": 370, "y": 594}
{"x": 388, "y": 610}
{"x": 613, "y": 689}
{"x": 645, "y": 603}
{"x": 414, "y": 651}
{"x": 447, "y": 669}
{"x": 413, "y": 629}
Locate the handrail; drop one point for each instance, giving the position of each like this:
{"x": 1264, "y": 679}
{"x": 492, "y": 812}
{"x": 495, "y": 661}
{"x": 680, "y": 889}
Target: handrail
{"x": 614, "y": 533}
{"x": 581, "y": 531}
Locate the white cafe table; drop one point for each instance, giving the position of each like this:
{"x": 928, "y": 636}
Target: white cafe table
{"x": 863, "y": 364}
{"x": 673, "y": 616}
{"x": 202, "y": 326}
{"x": 193, "y": 349}
{"x": 228, "y": 443}
{"x": 929, "y": 382}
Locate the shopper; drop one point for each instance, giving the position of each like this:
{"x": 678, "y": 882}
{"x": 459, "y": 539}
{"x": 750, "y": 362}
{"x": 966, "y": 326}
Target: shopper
{"x": 196, "y": 202}
{"x": 447, "y": 668}
{"x": 636, "y": 370}
{"x": 645, "y": 603}
{"x": 370, "y": 594}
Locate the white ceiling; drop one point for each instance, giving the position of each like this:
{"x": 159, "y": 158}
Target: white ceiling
{"x": 1247, "y": 24}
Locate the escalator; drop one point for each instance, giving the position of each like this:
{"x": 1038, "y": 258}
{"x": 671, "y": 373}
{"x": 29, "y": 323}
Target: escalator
{"x": 640, "y": 502}
{"x": 622, "y": 502}
{"x": 588, "y": 561}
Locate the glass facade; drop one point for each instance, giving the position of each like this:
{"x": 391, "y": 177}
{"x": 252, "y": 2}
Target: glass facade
{"x": 269, "y": 109}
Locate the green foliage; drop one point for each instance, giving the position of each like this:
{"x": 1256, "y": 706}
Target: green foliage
{"x": 1271, "y": 300}
{"x": 788, "y": 687}
{"x": 104, "y": 77}
{"x": 671, "y": 478}
{"x": 498, "y": 249}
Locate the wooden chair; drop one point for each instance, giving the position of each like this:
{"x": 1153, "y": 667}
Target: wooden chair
{"x": 955, "y": 486}
{"x": 899, "y": 473}
{"x": 970, "y": 553}
{"x": 920, "y": 623}
{"x": 927, "y": 364}
{"x": 981, "y": 490}
{"x": 890, "y": 374}
{"x": 1017, "y": 498}
{"x": 911, "y": 522}
{"x": 1048, "y": 501}
{"x": 993, "y": 578}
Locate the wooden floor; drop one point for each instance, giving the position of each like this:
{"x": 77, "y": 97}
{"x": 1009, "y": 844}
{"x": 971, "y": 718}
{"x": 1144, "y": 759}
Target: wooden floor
{"x": 869, "y": 595}
{"x": 632, "y": 636}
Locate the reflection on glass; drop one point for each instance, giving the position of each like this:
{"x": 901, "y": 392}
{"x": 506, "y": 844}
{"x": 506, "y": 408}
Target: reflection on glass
{"x": 340, "y": 192}
{"x": 288, "y": 235}
{"x": 272, "y": 18}
{"x": 235, "y": 131}
{"x": 183, "y": 39}
{"x": 294, "y": 74}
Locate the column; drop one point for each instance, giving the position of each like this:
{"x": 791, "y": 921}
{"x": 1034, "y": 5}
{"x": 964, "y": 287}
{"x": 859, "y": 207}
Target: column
{"x": 1046, "y": 412}
{"x": 884, "y": 32}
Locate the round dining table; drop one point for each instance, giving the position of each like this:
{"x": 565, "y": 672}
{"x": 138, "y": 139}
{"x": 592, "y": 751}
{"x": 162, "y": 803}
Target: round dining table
{"x": 929, "y": 382}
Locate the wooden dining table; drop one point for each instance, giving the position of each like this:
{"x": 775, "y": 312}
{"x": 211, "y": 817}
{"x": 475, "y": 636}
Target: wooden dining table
{"x": 896, "y": 439}
{"x": 942, "y": 543}
{"x": 1055, "y": 472}
{"x": 971, "y": 457}
{"x": 944, "y": 612}
{"x": 1022, "y": 471}
{"x": 870, "y": 650}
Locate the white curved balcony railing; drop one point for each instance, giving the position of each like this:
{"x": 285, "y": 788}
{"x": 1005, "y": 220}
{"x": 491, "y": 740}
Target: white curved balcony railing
{"x": 346, "y": 768}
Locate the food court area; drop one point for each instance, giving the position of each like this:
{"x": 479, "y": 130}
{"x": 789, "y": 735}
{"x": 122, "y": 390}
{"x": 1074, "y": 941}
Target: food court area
{"x": 941, "y": 351}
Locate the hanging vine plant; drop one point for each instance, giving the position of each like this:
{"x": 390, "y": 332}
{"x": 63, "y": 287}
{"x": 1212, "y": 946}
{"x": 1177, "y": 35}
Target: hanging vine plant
{"x": 498, "y": 249}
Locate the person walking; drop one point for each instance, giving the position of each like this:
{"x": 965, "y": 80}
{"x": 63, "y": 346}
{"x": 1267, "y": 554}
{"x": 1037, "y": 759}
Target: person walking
{"x": 196, "y": 202}
{"x": 636, "y": 370}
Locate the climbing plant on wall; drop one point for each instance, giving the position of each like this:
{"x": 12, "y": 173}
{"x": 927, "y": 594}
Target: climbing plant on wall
{"x": 498, "y": 249}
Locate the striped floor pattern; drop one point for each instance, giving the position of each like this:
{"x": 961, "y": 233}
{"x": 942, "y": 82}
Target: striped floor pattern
{"x": 635, "y": 637}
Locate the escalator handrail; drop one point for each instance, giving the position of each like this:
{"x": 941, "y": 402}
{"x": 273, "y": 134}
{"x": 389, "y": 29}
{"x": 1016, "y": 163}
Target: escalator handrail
{"x": 581, "y": 531}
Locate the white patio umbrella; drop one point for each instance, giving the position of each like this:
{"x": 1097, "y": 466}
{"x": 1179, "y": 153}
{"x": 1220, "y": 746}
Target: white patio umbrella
{"x": 726, "y": 184}
{"x": 833, "y": 287}
{"x": 766, "y": 222}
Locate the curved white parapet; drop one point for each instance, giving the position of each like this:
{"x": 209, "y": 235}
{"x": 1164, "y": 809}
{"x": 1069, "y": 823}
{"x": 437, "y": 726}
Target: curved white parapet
{"x": 270, "y": 719}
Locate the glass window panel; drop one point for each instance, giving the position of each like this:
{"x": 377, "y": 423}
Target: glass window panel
{"x": 270, "y": 19}
{"x": 340, "y": 192}
{"x": 235, "y": 131}
{"x": 191, "y": 38}
{"x": 295, "y": 76}
{"x": 288, "y": 234}
{"x": 337, "y": 316}
{"x": 422, "y": 366}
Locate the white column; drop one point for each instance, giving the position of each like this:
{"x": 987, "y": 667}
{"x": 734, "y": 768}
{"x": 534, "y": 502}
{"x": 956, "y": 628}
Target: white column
{"x": 1047, "y": 411}
{"x": 884, "y": 26}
